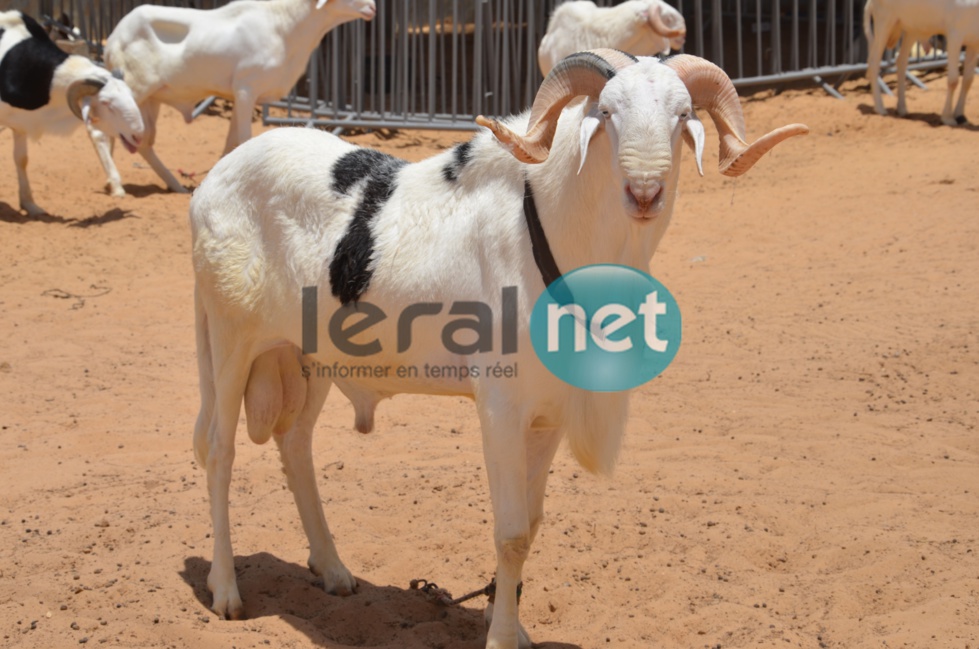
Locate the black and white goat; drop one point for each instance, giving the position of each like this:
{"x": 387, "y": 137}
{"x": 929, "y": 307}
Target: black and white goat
{"x": 297, "y": 208}
{"x": 45, "y": 90}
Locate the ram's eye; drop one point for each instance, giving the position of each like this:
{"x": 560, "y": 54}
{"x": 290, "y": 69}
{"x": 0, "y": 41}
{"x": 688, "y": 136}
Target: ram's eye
{"x": 684, "y": 115}
{"x": 605, "y": 113}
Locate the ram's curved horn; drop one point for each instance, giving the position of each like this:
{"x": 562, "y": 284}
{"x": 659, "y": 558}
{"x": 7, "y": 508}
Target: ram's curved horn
{"x": 711, "y": 89}
{"x": 79, "y": 90}
{"x": 661, "y": 28}
{"x": 583, "y": 73}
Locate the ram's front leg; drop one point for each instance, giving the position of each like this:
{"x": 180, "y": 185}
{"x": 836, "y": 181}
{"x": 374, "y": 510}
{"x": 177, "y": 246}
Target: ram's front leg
{"x": 240, "y": 130}
{"x": 505, "y": 451}
{"x": 103, "y": 148}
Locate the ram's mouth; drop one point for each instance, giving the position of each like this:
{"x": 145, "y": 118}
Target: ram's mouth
{"x": 131, "y": 144}
{"x": 645, "y": 211}
{"x": 368, "y": 13}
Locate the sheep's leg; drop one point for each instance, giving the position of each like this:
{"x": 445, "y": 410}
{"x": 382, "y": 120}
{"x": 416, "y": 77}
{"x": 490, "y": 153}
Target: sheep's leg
{"x": 205, "y": 370}
{"x": 954, "y": 47}
{"x": 230, "y": 362}
{"x": 23, "y": 184}
{"x": 151, "y": 110}
{"x": 296, "y": 451}
{"x": 542, "y": 444}
{"x": 103, "y": 148}
{"x": 968, "y": 72}
{"x": 903, "y": 56}
{"x": 505, "y": 451}
{"x": 240, "y": 130}
{"x": 874, "y": 56}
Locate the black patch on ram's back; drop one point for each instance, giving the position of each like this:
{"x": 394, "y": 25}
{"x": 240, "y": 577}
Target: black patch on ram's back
{"x": 350, "y": 270}
{"x": 461, "y": 155}
{"x": 27, "y": 69}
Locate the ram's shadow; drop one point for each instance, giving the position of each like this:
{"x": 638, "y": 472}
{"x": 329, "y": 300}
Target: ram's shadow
{"x": 384, "y": 617}
{"x": 115, "y": 214}
{"x": 931, "y": 119}
{"x": 142, "y": 191}
{"x": 10, "y": 214}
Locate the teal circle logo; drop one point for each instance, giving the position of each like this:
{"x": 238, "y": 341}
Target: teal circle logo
{"x": 605, "y": 328}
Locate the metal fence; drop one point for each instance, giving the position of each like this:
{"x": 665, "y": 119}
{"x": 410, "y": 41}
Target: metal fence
{"x": 439, "y": 63}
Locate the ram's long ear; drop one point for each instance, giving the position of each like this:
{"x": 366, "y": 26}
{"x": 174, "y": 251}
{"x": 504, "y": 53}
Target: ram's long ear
{"x": 693, "y": 135}
{"x": 320, "y": 3}
{"x": 589, "y": 125}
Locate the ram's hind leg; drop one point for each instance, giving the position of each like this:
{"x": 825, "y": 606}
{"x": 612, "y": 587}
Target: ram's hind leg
{"x": 968, "y": 72}
{"x": 230, "y": 362}
{"x": 151, "y": 111}
{"x": 24, "y": 186}
{"x": 296, "y": 451}
{"x": 903, "y": 56}
{"x": 954, "y": 48}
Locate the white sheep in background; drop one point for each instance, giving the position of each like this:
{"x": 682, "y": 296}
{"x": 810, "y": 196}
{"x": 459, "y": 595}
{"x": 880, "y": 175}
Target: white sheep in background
{"x": 886, "y": 21}
{"x": 639, "y": 27}
{"x": 248, "y": 51}
{"x": 44, "y": 90}
{"x": 299, "y": 208}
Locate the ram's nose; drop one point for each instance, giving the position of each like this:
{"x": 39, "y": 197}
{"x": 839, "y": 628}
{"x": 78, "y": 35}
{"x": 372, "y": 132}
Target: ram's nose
{"x": 644, "y": 193}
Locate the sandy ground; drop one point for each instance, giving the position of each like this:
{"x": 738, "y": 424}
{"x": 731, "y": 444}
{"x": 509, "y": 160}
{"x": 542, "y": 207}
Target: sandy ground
{"x": 805, "y": 474}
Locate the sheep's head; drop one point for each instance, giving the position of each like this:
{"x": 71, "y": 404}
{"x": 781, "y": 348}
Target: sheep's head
{"x": 645, "y": 107}
{"x": 667, "y": 22}
{"x": 352, "y": 8}
{"x": 109, "y": 104}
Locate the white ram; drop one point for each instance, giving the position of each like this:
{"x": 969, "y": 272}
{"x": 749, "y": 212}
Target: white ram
{"x": 886, "y": 21}
{"x": 639, "y": 27}
{"x": 45, "y": 90}
{"x": 248, "y": 51}
{"x": 297, "y": 208}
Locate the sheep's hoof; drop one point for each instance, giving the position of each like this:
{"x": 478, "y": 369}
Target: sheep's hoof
{"x": 949, "y": 121}
{"x": 228, "y": 605}
{"x": 33, "y": 210}
{"x": 337, "y": 580}
{"x": 523, "y": 638}
{"x": 961, "y": 119}
{"x": 116, "y": 192}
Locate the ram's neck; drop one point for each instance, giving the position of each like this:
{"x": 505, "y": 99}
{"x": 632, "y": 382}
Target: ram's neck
{"x": 583, "y": 215}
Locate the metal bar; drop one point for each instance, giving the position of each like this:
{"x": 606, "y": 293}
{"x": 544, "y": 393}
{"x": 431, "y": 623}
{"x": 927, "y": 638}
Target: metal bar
{"x": 446, "y": 123}
{"x": 915, "y": 80}
{"x": 201, "y": 107}
{"x": 828, "y": 88}
{"x": 432, "y": 36}
{"x": 825, "y": 71}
